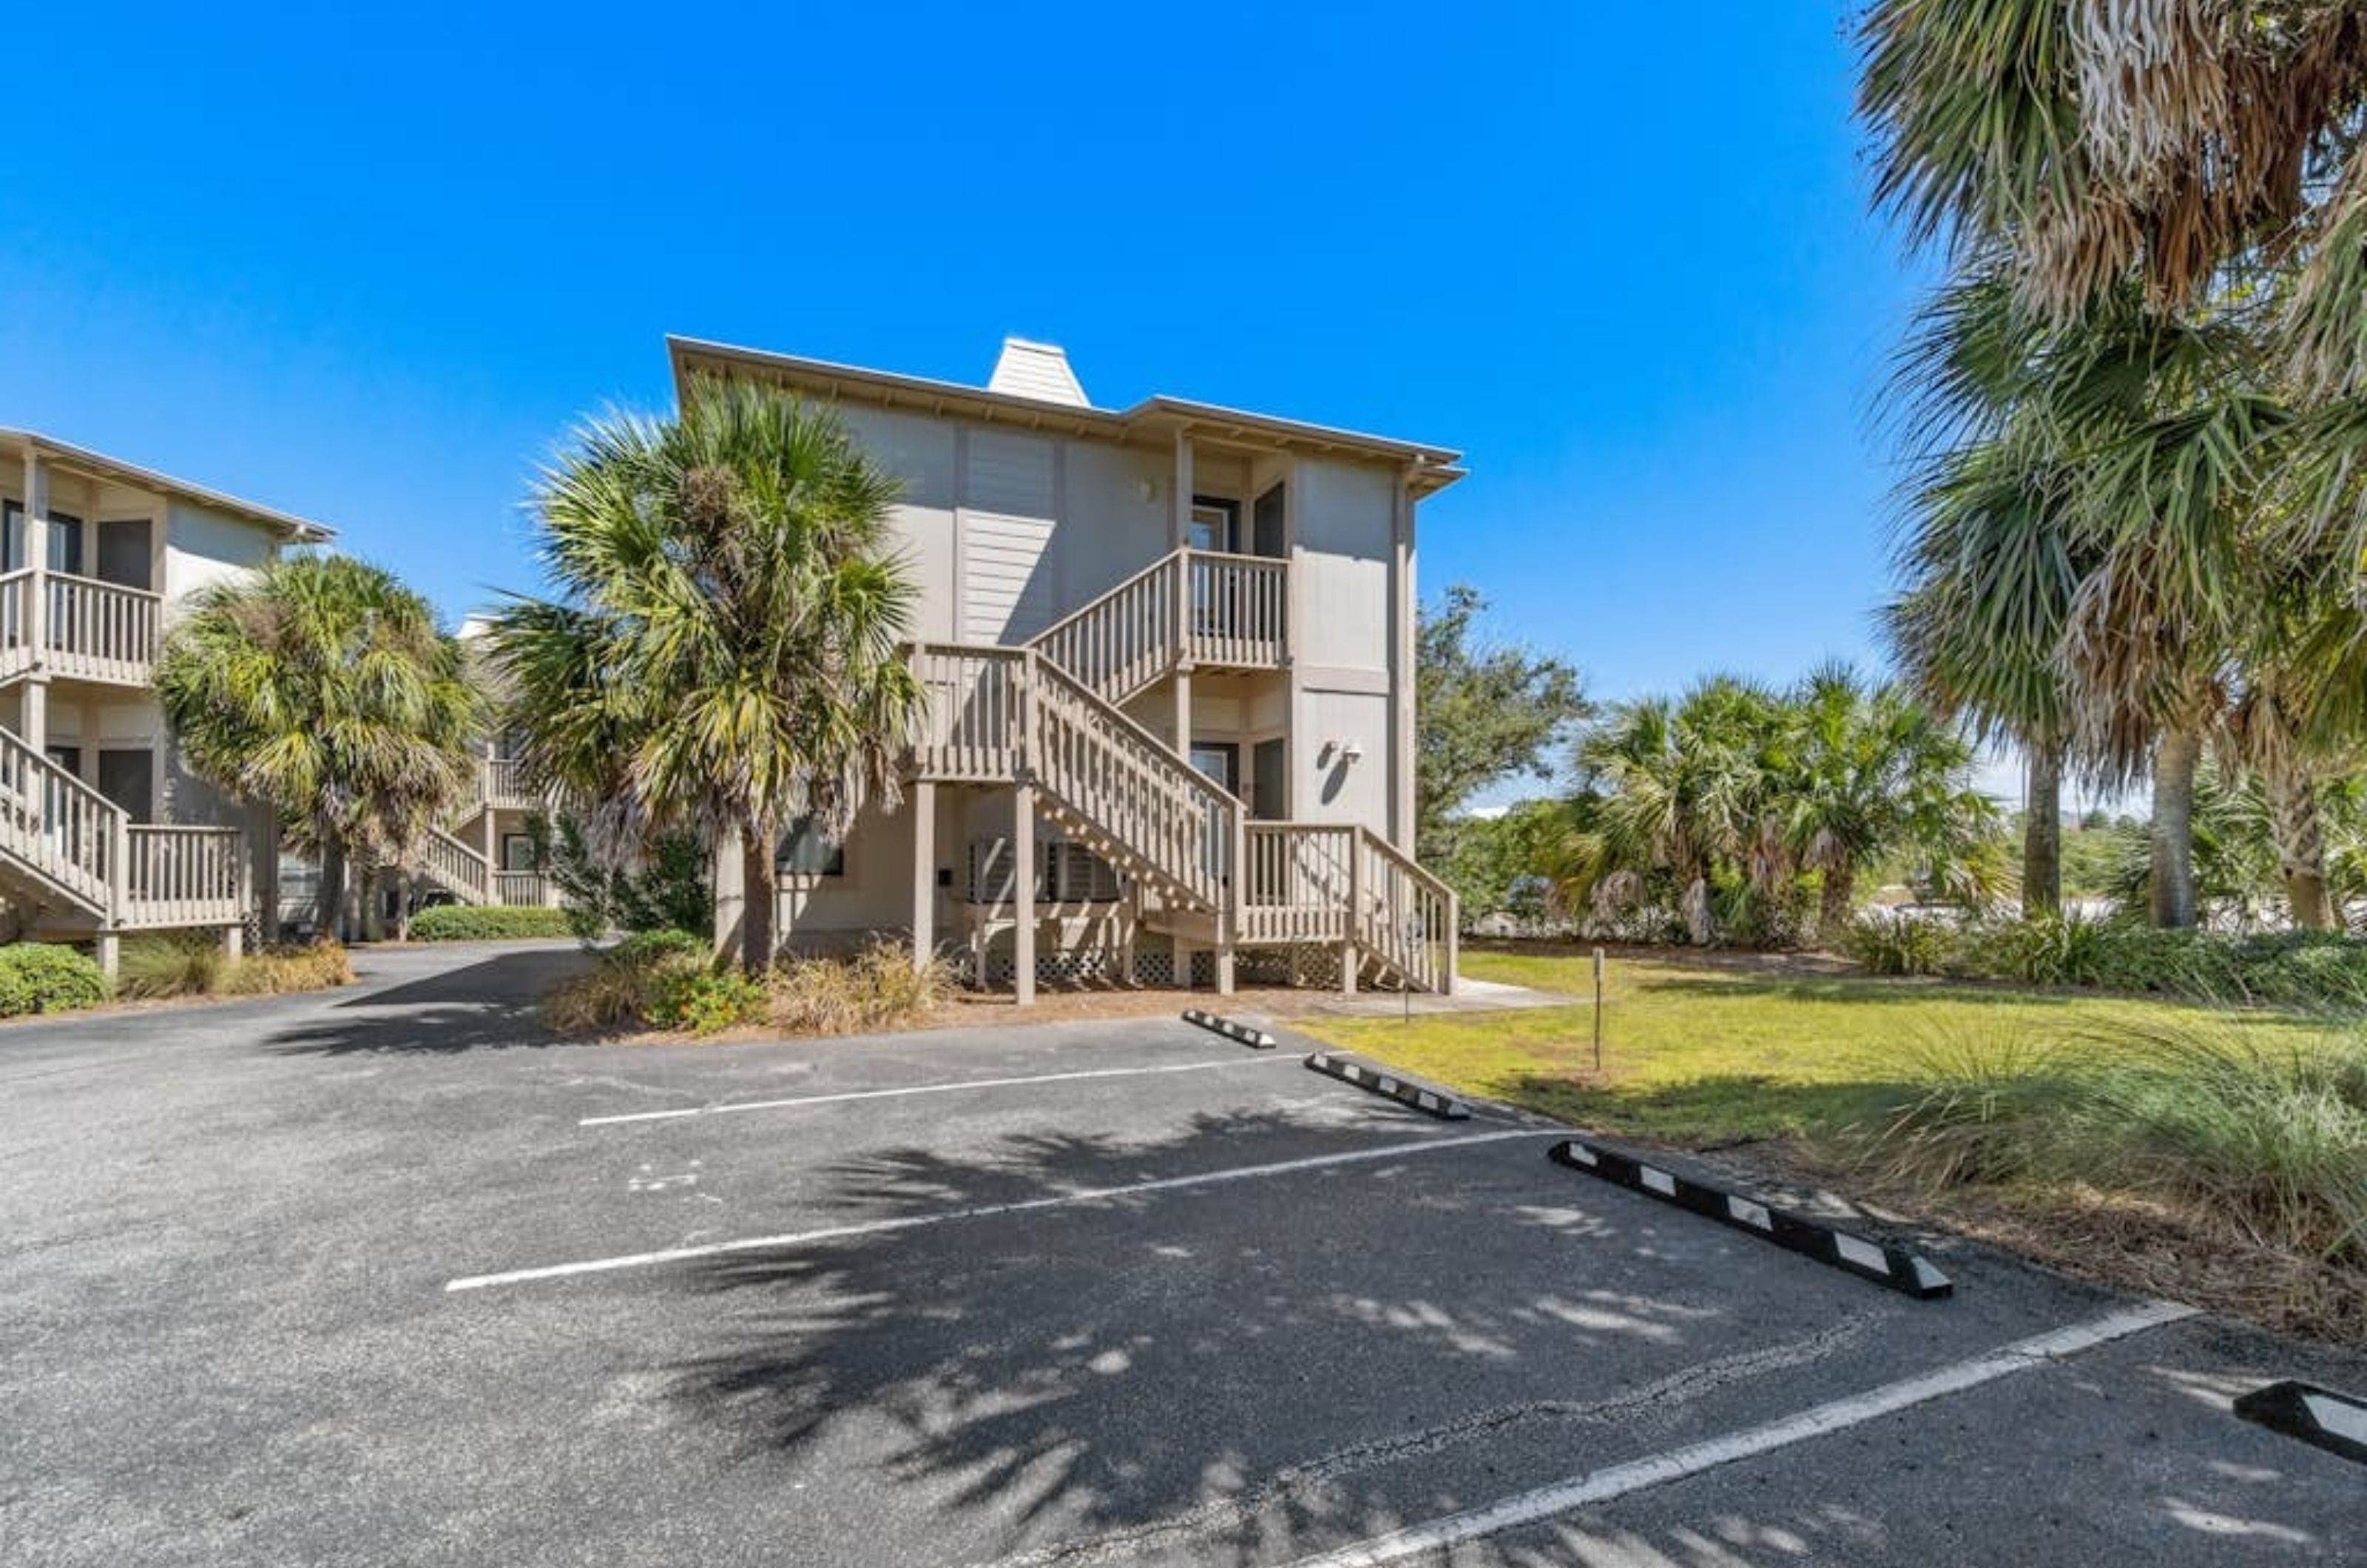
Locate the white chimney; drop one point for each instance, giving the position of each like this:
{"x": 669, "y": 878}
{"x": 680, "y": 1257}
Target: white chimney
{"x": 1037, "y": 370}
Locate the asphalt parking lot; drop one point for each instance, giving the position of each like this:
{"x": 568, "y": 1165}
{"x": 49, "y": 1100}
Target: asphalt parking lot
{"x": 388, "y": 1277}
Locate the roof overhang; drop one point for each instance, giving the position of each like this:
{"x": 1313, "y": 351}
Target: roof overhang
{"x": 302, "y": 530}
{"x": 1428, "y": 469}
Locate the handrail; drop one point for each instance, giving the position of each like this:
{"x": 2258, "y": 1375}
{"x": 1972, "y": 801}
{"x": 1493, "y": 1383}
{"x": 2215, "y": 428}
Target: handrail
{"x": 181, "y": 875}
{"x": 1095, "y": 602}
{"x": 460, "y": 869}
{"x": 59, "y": 826}
{"x": 1135, "y": 786}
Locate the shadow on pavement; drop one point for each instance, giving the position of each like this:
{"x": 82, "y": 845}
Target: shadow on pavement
{"x": 1323, "y": 1357}
{"x": 487, "y": 1005}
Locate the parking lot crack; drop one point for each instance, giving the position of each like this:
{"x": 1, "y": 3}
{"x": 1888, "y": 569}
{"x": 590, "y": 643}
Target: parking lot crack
{"x": 1295, "y": 1483}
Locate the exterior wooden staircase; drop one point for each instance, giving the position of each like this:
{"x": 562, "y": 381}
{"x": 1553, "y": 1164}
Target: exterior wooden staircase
{"x": 73, "y": 863}
{"x": 1045, "y": 715}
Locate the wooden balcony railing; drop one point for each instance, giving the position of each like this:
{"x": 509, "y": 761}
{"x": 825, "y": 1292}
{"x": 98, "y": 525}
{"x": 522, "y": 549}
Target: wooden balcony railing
{"x": 521, "y": 887}
{"x": 1237, "y": 610}
{"x": 183, "y": 876}
{"x": 1203, "y": 606}
{"x": 505, "y": 783}
{"x": 89, "y": 630}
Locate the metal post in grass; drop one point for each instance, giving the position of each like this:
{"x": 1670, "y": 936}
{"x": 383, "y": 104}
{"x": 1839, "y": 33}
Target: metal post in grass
{"x": 1598, "y": 1009}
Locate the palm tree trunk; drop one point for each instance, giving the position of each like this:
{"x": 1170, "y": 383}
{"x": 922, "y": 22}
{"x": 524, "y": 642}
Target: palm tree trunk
{"x": 2041, "y": 829}
{"x": 1695, "y": 906}
{"x": 1837, "y": 901}
{"x": 2301, "y": 844}
{"x": 2175, "y": 757}
{"x": 329, "y": 901}
{"x": 760, "y": 898}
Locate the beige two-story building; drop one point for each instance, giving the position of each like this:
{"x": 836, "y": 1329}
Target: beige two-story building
{"x": 1171, "y": 653}
{"x": 101, "y": 830}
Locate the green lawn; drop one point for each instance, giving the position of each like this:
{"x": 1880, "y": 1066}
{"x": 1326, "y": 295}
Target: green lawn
{"x": 1699, "y": 1054}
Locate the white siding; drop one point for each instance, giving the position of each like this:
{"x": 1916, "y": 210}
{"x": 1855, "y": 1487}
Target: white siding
{"x": 1009, "y": 507}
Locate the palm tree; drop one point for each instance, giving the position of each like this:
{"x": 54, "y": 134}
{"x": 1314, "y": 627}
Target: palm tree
{"x": 1862, "y": 773}
{"x": 1678, "y": 791}
{"x": 725, "y": 649}
{"x": 1986, "y": 552}
{"x": 2167, "y": 141}
{"x": 323, "y": 688}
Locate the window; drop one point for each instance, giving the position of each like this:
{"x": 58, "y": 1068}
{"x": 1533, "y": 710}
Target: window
{"x": 1216, "y": 523}
{"x": 65, "y": 539}
{"x": 517, "y": 851}
{"x": 804, "y": 852}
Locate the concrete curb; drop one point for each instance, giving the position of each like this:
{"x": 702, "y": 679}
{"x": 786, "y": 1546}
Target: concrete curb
{"x": 2318, "y": 1417}
{"x": 1910, "y": 1273}
{"x": 1425, "y": 1098}
{"x": 1255, "y": 1038}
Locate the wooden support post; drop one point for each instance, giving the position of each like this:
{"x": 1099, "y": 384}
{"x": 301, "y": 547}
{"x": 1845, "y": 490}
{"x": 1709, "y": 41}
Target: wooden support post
{"x": 1023, "y": 892}
{"x": 924, "y": 873}
{"x": 1183, "y": 710}
{"x": 1235, "y": 886}
{"x": 109, "y": 954}
{"x": 33, "y": 722}
{"x": 1355, "y": 907}
{"x": 36, "y": 524}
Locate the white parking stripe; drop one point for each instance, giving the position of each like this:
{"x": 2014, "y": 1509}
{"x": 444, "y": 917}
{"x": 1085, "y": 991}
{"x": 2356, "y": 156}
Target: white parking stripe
{"x": 1603, "y": 1486}
{"x": 924, "y": 1089}
{"x": 979, "y": 1211}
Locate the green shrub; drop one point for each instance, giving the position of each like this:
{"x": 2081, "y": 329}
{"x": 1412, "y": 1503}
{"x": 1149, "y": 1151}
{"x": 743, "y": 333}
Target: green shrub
{"x": 2271, "y": 1141}
{"x": 668, "y": 890}
{"x": 703, "y": 1000}
{"x": 487, "y": 923}
{"x": 2113, "y": 956}
{"x": 180, "y": 964}
{"x": 2275, "y": 1140}
{"x": 1890, "y": 943}
{"x": 652, "y": 977}
{"x": 649, "y": 947}
{"x": 38, "y": 977}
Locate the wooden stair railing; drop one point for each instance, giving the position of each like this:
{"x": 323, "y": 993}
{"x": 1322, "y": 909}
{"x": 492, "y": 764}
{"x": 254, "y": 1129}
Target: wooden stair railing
{"x": 452, "y": 866}
{"x": 1001, "y": 715}
{"x": 58, "y": 827}
{"x": 1204, "y": 605}
{"x": 1123, "y": 642}
{"x": 62, "y": 834}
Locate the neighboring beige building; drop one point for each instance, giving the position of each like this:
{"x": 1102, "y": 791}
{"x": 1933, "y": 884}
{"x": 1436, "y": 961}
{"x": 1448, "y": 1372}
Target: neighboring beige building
{"x": 101, "y": 830}
{"x": 1171, "y": 650}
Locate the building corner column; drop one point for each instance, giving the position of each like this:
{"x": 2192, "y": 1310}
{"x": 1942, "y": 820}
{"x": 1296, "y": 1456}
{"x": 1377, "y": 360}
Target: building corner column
{"x": 1023, "y": 892}
{"x": 924, "y": 807}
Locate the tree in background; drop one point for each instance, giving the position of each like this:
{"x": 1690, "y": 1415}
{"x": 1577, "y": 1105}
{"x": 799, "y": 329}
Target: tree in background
{"x": 1987, "y": 553}
{"x": 1503, "y": 865}
{"x": 1863, "y": 773}
{"x": 1489, "y": 712}
{"x": 1725, "y": 805}
{"x": 725, "y": 652}
{"x": 1672, "y": 793}
{"x": 323, "y": 688}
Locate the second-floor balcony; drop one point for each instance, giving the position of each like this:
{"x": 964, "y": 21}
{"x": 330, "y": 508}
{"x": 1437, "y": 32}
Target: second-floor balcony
{"x": 77, "y": 628}
{"x": 1202, "y": 608}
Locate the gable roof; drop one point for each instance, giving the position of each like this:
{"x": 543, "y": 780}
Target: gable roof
{"x": 1432, "y": 469}
{"x": 302, "y": 530}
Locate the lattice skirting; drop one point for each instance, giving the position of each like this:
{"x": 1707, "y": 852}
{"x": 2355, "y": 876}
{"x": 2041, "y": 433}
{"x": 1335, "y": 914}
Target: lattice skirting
{"x": 1154, "y": 964}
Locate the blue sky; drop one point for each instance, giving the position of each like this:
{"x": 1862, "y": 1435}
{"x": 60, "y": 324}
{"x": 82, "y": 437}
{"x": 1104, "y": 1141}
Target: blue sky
{"x": 1619, "y": 255}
